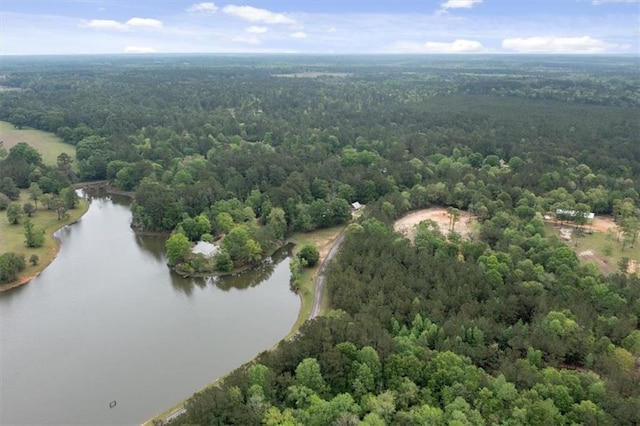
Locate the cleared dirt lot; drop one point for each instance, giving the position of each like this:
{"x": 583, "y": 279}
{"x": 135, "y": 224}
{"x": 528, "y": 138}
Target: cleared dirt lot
{"x": 463, "y": 226}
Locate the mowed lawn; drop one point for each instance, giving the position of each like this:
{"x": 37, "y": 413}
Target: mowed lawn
{"x": 12, "y": 236}
{"x": 47, "y": 144}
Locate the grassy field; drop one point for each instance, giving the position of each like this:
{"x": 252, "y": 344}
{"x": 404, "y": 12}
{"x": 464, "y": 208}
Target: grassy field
{"x": 47, "y": 144}
{"x": 12, "y": 237}
{"x": 603, "y": 249}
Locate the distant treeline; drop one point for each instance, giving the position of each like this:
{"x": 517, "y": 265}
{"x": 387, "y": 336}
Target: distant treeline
{"x": 508, "y": 328}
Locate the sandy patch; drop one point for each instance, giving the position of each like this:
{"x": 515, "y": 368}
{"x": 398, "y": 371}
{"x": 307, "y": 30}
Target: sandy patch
{"x": 589, "y": 256}
{"x": 565, "y": 233}
{"x": 463, "y": 226}
{"x": 602, "y": 224}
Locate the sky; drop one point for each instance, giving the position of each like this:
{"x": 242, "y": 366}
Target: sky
{"x": 36, "y": 27}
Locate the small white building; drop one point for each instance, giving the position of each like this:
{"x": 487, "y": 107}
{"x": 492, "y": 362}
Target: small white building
{"x": 572, "y": 214}
{"x": 356, "y": 206}
{"x": 205, "y": 248}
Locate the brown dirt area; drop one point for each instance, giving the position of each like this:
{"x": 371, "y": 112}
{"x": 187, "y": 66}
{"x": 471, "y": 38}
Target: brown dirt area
{"x": 602, "y": 224}
{"x": 589, "y": 256}
{"x": 598, "y": 224}
{"x": 406, "y": 224}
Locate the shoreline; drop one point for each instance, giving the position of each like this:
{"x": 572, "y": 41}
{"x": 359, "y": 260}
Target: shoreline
{"x": 83, "y": 207}
{"x": 303, "y": 315}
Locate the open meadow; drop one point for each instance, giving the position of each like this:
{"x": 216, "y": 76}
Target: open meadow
{"x": 47, "y": 144}
{"x": 12, "y": 237}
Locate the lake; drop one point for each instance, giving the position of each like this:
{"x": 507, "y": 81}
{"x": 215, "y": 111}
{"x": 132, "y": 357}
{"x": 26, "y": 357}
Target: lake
{"x": 108, "y": 321}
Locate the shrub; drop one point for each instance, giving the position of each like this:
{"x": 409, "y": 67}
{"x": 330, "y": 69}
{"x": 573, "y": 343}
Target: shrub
{"x": 309, "y": 255}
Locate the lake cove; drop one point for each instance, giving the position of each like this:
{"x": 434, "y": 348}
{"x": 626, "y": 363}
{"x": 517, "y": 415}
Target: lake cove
{"x": 107, "y": 321}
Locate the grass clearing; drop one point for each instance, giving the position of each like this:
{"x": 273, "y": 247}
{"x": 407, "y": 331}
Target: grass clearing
{"x": 604, "y": 249}
{"x": 47, "y": 144}
{"x": 12, "y": 237}
{"x": 323, "y": 239}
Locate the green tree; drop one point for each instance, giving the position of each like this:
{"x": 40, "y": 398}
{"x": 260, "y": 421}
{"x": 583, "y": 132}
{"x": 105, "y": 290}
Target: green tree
{"x": 225, "y": 222}
{"x": 23, "y": 151}
{"x": 35, "y": 193}
{"x": 10, "y": 265}
{"x": 178, "y": 248}
{"x": 34, "y": 237}
{"x": 28, "y": 209}
{"x": 14, "y": 213}
{"x": 239, "y": 244}
{"x": 277, "y": 223}
{"x": 9, "y": 188}
{"x": 60, "y": 207}
{"x": 222, "y": 261}
{"x": 4, "y": 201}
{"x": 309, "y": 255}
{"x": 623, "y": 264}
{"x": 69, "y": 198}
{"x": 64, "y": 163}
{"x": 34, "y": 259}
{"x": 308, "y": 375}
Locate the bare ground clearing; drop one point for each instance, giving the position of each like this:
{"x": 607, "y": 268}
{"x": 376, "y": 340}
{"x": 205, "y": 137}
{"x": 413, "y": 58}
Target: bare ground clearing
{"x": 598, "y": 224}
{"x": 463, "y": 226}
{"x": 589, "y": 256}
{"x": 601, "y": 225}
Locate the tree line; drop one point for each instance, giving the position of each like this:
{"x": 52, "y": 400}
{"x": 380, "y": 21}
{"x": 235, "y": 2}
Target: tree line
{"x": 508, "y": 327}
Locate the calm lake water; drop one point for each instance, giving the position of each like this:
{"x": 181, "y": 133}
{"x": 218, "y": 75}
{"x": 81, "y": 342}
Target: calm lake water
{"x": 108, "y": 321}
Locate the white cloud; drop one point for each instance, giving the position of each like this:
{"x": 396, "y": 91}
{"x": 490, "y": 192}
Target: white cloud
{"x": 253, "y": 14}
{"x": 139, "y": 49}
{"x": 559, "y": 45}
{"x": 108, "y": 24}
{"x": 257, "y": 30}
{"x": 104, "y": 24}
{"x": 299, "y": 35}
{"x": 206, "y": 8}
{"x": 459, "y": 4}
{"x": 144, "y": 23}
{"x": 456, "y": 46}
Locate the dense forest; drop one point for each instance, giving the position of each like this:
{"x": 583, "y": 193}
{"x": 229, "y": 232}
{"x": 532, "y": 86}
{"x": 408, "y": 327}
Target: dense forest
{"x": 508, "y": 327}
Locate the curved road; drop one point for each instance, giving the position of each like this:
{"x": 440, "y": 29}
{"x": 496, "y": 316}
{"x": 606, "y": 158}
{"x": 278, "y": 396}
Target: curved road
{"x": 320, "y": 279}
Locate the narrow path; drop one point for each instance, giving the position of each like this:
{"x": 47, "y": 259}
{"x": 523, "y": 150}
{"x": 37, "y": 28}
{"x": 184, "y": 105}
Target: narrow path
{"x": 320, "y": 278}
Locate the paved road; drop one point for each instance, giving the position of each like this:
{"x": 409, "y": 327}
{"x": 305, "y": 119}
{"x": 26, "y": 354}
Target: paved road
{"x": 320, "y": 279}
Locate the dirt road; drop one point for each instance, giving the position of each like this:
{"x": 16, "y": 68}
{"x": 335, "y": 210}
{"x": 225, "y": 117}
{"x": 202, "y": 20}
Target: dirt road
{"x": 320, "y": 278}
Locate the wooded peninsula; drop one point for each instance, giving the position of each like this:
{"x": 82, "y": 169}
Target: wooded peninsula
{"x": 516, "y": 306}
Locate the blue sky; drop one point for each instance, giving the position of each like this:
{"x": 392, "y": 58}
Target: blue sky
{"x": 334, "y": 26}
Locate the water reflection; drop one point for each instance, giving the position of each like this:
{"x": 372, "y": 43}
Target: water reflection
{"x": 152, "y": 245}
{"x": 239, "y": 281}
{"x": 106, "y": 320}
